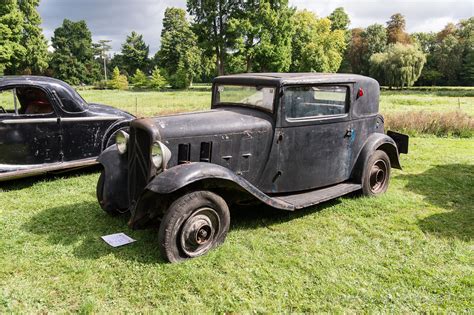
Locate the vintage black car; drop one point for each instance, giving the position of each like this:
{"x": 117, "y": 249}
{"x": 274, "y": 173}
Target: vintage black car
{"x": 285, "y": 140}
{"x": 46, "y": 126}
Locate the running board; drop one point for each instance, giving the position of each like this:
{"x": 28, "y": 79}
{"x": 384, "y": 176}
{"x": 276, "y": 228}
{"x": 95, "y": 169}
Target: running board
{"x": 311, "y": 198}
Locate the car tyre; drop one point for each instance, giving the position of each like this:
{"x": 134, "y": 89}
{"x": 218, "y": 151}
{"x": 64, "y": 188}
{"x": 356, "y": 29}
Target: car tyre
{"x": 194, "y": 224}
{"x": 100, "y": 196}
{"x": 376, "y": 175}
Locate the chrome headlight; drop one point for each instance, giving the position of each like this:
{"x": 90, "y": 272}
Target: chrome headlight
{"x": 160, "y": 155}
{"x": 121, "y": 140}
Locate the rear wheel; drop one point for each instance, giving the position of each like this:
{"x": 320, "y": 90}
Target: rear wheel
{"x": 193, "y": 225}
{"x": 376, "y": 175}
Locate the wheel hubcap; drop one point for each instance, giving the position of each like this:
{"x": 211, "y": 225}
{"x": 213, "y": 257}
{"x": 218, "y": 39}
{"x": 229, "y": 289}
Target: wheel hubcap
{"x": 199, "y": 231}
{"x": 378, "y": 176}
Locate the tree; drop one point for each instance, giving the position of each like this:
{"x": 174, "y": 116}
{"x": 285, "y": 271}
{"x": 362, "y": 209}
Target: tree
{"x": 211, "y": 18}
{"x": 73, "y": 57}
{"x": 339, "y": 19}
{"x": 179, "y": 51}
{"x": 396, "y": 30}
{"x": 140, "y": 80}
{"x": 102, "y": 49}
{"x": 315, "y": 47}
{"x": 400, "y": 66}
{"x": 118, "y": 81}
{"x": 11, "y": 30}
{"x": 260, "y": 34}
{"x": 135, "y": 53}
{"x": 157, "y": 81}
{"x": 36, "y": 58}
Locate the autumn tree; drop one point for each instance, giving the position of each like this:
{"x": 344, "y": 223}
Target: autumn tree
{"x": 396, "y": 30}
{"x": 179, "y": 54}
{"x": 135, "y": 53}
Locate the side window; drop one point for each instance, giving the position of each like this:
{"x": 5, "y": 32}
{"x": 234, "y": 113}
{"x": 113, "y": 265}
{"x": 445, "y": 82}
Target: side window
{"x": 33, "y": 101}
{"x": 315, "y": 101}
{"x": 8, "y": 102}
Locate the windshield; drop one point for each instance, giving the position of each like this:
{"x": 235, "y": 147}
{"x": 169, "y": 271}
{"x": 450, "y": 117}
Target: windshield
{"x": 252, "y": 96}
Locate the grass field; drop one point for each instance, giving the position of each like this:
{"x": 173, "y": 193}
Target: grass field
{"x": 409, "y": 250}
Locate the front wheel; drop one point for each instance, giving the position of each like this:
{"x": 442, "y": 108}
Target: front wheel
{"x": 193, "y": 225}
{"x": 376, "y": 176}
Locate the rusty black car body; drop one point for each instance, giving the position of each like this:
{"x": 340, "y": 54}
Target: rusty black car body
{"x": 46, "y": 126}
{"x": 286, "y": 140}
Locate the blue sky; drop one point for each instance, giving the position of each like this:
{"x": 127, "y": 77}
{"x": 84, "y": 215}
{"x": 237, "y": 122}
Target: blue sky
{"x": 114, "y": 19}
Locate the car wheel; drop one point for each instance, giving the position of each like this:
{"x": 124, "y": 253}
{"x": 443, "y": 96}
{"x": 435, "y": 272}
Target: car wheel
{"x": 376, "y": 175}
{"x": 193, "y": 225}
{"x": 100, "y": 196}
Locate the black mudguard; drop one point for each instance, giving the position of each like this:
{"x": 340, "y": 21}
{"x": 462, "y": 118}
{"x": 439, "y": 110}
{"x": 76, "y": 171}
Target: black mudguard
{"x": 376, "y": 141}
{"x": 115, "y": 190}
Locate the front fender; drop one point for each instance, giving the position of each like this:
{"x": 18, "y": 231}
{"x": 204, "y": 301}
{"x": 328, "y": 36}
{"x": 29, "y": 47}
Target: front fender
{"x": 376, "y": 141}
{"x": 115, "y": 190}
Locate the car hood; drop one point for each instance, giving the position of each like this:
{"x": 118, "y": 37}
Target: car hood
{"x": 108, "y": 110}
{"x": 214, "y": 122}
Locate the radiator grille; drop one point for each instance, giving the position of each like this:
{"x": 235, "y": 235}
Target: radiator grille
{"x": 139, "y": 167}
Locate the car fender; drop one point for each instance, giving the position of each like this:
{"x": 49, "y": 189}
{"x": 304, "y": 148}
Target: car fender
{"x": 376, "y": 141}
{"x": 110, "y": 132}
{"x": 115, "y": 190}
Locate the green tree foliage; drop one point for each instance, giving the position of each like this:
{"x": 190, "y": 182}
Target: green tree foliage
{"x": 261, "y": 33}
{"x": 36, "y": 58}
{"x": 140, "y": 80}
{"x": 339, "y": 19}
{"x": 73, "y": 57}
{"x": 119, "y": 81}
{"x": 157, "y": 81}
{"x": 11, "y": 30}
{"x": 396, "y": 30}
{"x": 179, "y": 54}
{"x": 315, "y": 47}
{"x": 400, "y": 66}
{"x": 135, "y": 53}
{"x": 211, "y": 21}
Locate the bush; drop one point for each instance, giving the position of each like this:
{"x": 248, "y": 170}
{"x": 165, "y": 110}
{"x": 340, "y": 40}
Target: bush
{"x": 119, "y": 81}
{"x": 157, "y": 81}
{"x": 140, "y": 80}
{"x": 457, "y": 124}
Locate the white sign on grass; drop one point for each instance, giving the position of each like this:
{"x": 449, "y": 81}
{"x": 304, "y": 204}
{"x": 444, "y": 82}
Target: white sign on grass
{"x": 118, "y": 239}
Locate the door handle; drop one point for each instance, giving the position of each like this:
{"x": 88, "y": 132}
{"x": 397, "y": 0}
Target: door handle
{"x": 349, "y": 133}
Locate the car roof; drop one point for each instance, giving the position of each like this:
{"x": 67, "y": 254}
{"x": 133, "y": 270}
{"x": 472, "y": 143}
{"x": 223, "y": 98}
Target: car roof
{"x": 30, "y": 80}
{"x": 272, "y": 78}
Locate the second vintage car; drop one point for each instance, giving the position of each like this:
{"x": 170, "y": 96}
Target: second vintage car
{"x": 286, "y": 140}
{"x": 46, "y": 126}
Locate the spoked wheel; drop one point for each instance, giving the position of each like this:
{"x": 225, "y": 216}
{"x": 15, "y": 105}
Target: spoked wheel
{"x": 377, "y": 174}
{"x": 193, "y": 225}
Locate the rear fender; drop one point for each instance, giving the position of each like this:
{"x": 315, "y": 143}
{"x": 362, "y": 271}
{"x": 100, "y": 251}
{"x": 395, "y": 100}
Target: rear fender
{"x": 377, "y": 141}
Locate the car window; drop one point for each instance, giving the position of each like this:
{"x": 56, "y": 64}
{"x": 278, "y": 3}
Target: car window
{"x": 33, "y": 101}
{"x": 315, "y": 101}
{"x": 250, "y": 96}
{"x": 8, "y": 102}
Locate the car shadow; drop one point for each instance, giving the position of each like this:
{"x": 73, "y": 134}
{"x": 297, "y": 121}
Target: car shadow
{"x": 82, "y": 225}
{"x": 19, "y": 184}
{"x": 450, "y": 187}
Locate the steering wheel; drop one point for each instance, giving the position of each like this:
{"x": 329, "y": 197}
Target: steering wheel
{"x": 2, "y": 110}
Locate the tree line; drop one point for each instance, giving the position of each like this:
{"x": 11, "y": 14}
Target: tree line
{"x": 216, "y": 37}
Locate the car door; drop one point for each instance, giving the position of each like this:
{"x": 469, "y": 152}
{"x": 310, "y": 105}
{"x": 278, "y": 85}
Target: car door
{"x": 314, "y": 141}
{"x": 29, "y": 129}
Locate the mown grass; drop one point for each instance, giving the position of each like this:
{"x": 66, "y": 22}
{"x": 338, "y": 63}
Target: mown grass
{"x": 409, "y": 250}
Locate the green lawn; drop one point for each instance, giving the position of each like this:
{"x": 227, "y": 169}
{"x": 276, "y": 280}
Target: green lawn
{"x": 409, "y": 250}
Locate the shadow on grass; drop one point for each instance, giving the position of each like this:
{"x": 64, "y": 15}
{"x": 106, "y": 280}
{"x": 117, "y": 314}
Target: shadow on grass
{"x": 81, "y": 226}
{"x": 450, "y": 187}
{"x": 19, "y": 184}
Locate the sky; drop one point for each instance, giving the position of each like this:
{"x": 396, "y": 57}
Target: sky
{"x": 115, "y": 19}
